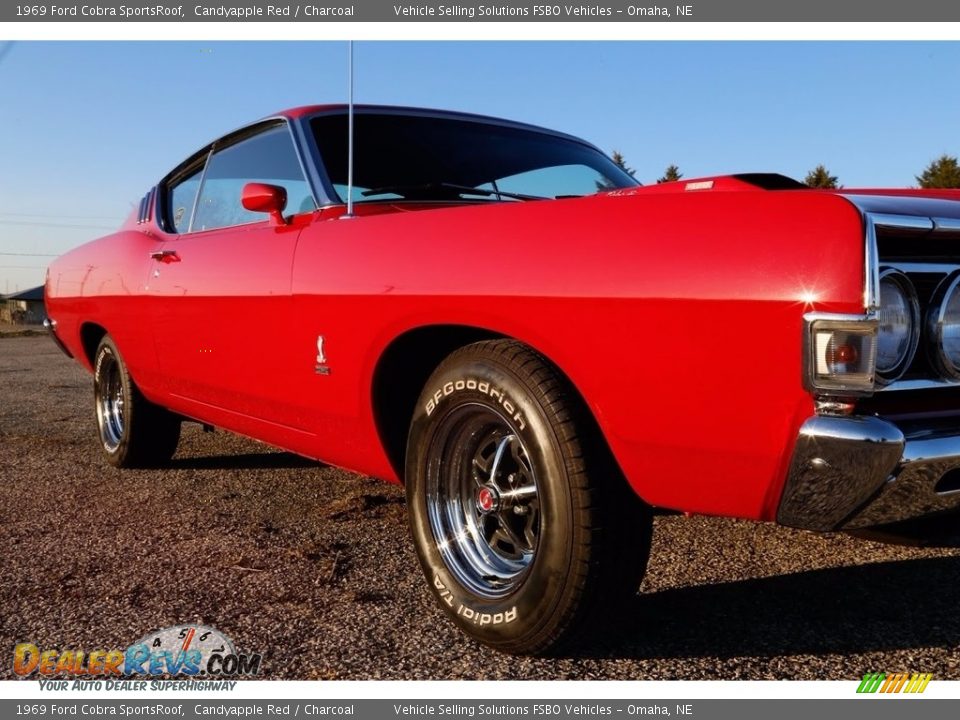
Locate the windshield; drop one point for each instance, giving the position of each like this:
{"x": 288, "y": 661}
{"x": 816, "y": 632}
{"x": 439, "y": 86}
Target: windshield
{"x": 409, "y": 157}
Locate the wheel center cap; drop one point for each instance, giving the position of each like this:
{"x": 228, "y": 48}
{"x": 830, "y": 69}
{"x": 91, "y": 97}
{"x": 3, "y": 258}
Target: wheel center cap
{"x": 488, "y": 500}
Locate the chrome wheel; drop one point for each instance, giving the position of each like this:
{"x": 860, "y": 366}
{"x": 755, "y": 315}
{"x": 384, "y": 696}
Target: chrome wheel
{"x": 528, "y": 535}
{"x": 482, "y": 501}
{"x": 110, "y": 403}
{"x": 132, "y": 431}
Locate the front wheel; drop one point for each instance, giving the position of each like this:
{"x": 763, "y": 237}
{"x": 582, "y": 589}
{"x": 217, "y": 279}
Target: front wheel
{"x": 133, "y": 431}
{"x": 522, "y": 522}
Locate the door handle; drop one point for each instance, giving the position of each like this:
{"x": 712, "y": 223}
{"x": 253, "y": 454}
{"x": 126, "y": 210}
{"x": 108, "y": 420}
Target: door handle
{"x": 165, "y": 256}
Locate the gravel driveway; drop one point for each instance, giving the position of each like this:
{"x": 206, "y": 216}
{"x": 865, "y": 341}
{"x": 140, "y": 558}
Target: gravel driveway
{"x": 312, "y": 567}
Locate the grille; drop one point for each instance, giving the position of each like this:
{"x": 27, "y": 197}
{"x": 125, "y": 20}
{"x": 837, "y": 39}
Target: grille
{"x": 926, "y": 251}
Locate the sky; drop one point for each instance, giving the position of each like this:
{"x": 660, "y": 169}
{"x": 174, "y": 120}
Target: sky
{"x": 87, "y": 127}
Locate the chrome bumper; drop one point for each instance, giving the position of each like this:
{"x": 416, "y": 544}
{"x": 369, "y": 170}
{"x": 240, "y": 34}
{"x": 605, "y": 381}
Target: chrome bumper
{"x": 849, "y": 473}
{"x": 51, "y": 327}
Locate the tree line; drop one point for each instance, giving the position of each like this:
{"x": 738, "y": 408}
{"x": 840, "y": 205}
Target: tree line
{"x": 944, "y": 172}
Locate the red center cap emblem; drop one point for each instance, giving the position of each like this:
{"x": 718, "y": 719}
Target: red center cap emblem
{"x": 486, "y": 499}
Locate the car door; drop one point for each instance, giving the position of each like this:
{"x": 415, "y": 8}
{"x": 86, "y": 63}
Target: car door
{"x": 221, "y": 285}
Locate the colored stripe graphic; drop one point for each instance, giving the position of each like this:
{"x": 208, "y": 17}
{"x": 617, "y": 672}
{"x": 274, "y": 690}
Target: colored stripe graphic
{"x": 923, "y": 679}
{"x": 894, "y": 683}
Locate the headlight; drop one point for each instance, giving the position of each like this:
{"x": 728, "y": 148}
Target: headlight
{"x": 943, "y": 327}
{"x": 898, "y": 325}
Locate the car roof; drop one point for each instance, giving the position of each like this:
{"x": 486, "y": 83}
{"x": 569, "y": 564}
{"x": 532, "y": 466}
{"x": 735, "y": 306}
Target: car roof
{"x": 306, "y": 111}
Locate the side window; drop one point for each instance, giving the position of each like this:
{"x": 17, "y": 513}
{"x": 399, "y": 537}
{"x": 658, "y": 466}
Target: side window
{"x": 268, "y": 157}
{"x": 180, "y": 199}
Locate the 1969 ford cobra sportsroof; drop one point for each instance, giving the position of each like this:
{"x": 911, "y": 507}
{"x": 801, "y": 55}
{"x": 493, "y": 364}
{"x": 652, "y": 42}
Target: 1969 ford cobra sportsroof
{"x": 541, "y": 350}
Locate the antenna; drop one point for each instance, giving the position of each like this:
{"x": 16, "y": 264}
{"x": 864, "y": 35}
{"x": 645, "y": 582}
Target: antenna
{"x": 350, "y": 129}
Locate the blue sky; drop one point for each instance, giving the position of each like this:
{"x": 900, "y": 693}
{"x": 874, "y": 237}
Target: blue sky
{"x": 87, "y": 127}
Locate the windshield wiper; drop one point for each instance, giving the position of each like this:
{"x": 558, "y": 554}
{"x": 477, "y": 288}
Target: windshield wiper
{"x": 458, "y": 189}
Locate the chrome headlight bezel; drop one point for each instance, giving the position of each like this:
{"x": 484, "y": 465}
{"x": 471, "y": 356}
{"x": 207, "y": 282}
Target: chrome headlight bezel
{"x": 936, "y": 312}
{"x": 909, "y": 293}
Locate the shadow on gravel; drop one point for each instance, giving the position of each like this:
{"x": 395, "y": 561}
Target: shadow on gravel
{"x": 244, "y": 461}
{"x": 882, "y": 606}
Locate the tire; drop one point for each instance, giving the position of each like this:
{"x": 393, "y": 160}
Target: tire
{"x": 133, "y": 432}
{"x": 526, "y": 530}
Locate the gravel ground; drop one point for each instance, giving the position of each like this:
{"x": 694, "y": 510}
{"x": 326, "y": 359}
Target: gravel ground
{"x": 312, "y": 567}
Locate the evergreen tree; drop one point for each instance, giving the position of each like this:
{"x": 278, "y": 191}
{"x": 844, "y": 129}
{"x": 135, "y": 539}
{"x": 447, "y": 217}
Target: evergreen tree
{"x": 671, "y": 174}
{"x": 944, "y": 172}
{"x": 820, "y": 177}
{"x": 622, "y": 164}
{"x": 618, "y": 160}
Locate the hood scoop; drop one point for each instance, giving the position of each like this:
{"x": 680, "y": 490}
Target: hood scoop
{"x": 770, "y": 181}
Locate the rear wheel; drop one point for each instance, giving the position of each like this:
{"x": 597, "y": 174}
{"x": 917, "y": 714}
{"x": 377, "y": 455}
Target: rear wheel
{"x": 526, "y": 530}
{"x": 133, "y": 431}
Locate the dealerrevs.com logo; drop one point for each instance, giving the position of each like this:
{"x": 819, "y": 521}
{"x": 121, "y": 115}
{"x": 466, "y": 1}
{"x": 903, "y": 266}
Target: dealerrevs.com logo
{"x": 894, "y": 683}
{"x": 192, "y": 650}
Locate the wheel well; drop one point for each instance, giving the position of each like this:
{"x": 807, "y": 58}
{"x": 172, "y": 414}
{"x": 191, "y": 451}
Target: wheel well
{"x": 90, "y": 336}
{"x": 401, "y": 373}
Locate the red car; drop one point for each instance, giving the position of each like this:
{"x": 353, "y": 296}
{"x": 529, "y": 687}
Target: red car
{"x": 543, "y": 351}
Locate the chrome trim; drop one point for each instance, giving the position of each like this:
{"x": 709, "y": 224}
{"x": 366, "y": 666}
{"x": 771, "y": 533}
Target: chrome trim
{"x": 906, "y": 285}
{"x": 161, "y": 254}
{"x": 902, "y": 222}
{"x": 934, "y": 326}
{"x": 298, "y": 151}
{"x": 838, "y": 464}
{"x": 862, "y": 471}
{"x": 930, "y": 268}
{"x": 830, "y": 406}
{"x": 924, "y": 384}
{"x": 946, "y": 225}
{"x": 151, "y": 204}
{"x": 911, "y": 491}
{"x": 838, "y": 317}
{"x": 50, "y": 325}
{"x": 871, "y": 271}
{"x": 888, "y": 221}
{"x": 196, "y": 198}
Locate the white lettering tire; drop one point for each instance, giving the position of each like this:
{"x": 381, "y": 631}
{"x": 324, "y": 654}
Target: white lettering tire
{"x": 525, "y": 528}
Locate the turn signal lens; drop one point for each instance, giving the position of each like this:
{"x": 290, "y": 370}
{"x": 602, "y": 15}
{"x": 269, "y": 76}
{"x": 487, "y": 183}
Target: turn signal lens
{"x": 841, "y": 354}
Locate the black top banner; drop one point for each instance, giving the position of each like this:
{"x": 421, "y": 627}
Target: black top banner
{"x": 486, "y": 11}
